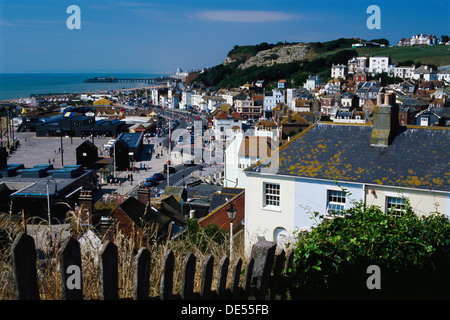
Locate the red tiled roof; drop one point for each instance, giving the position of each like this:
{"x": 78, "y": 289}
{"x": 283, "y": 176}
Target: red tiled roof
{"x": 236, "y": 115}
{"x": 222, "y": 115}
{"x": 219, "y": 216}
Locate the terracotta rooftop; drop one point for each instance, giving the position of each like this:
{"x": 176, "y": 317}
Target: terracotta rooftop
{"x": 255, "y": 146}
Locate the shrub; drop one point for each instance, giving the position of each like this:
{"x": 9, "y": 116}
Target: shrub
{"x": 204, "y": 238}
{"x": 413, "y": 254}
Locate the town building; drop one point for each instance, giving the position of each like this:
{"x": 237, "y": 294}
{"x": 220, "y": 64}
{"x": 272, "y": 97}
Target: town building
{"x": 272, "y": 98}
{"x": 404, "y": 72}
{"x": 419, "y": 40}
{"x": 312, "y": 82}
{"x": 357, "y": 64}
{"x": 31, "y": 190}
{"x": 248, "y": 109}
{"x": 339, "y": 71}
{"x": 225, "y": 124}
{"x": 328, "y": 167}
{"x": 80, "y": 126}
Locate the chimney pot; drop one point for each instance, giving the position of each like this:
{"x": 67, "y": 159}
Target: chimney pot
{"x": 380, "y": 99}
{"x": 387, "y": 99}
{"x": 86, "y": 207}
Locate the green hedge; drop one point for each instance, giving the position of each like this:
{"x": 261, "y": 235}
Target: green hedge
{"x": 412, "y": 253}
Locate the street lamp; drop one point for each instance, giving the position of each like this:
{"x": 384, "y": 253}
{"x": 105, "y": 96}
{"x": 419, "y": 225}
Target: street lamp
{"x": 231, "y": 212}
{"x": 48, "y": 200}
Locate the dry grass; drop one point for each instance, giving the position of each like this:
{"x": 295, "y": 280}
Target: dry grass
{"x": 49, "y": 276}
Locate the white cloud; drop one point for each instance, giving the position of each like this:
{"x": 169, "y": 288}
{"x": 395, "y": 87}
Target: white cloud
{"x": 245, "y": 16}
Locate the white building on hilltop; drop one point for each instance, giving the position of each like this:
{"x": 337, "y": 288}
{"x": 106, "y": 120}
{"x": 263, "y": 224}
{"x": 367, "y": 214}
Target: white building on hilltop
{"x": 272, "y": 98}
{"x": 338, "y": 71}
{"x": 378, "y": 65}
{"x": 419, "y": 40}
{"x": 312, "y": 82}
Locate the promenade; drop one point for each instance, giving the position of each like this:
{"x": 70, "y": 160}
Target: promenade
{"x": 40, "y": 150}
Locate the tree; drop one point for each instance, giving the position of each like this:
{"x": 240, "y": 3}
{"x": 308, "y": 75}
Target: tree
{"x": 381, "y": 41}
{"x": 444, "y": 38}
{"x": 413, "y": 254}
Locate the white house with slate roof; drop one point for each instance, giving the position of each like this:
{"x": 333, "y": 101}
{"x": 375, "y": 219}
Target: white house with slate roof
{"x": 329, "y": 166}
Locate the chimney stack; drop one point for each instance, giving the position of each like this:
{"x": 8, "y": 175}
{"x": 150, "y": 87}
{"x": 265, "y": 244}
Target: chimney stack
{"x": 86, "y": 206}
{"x": 385, "y": 120}
{"x": 143, "y": 194}
{"x": 107, "y": 228}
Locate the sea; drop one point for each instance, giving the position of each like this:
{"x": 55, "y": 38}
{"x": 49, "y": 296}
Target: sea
{"x": 22, "y": 85}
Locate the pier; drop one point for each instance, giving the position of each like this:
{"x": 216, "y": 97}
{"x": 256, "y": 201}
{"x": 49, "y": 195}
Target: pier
{"x": 129, "y": 80}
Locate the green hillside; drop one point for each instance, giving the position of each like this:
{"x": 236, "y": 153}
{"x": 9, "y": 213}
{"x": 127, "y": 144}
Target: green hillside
{"x": 323, "y": 56}
{"x": 434, "y": 55}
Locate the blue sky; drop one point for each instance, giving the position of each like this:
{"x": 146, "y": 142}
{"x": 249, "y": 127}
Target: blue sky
{"x": 160, "y": 35}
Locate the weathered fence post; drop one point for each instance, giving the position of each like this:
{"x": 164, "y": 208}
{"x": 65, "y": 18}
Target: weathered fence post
{"x": 187, "y": 285}
{"x": 222, "y": 281}
{"x": 142, "y": 275}
{"x": 248, "y": 279}
{"x": 23, "y": 255}
{"x": 109, "y": 275}
{"x": 286, "y": 277}
{"x": 276, "y": 278}
{"x": 235, "y": 291}
{"x": 69, "y": 258}
{"x": 263, "y": 253}
{"x": 207, "y": 275}
{"x": 166, "y": 287}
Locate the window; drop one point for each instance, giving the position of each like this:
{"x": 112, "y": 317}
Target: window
{"x": 271, "y": 194}
{"x": 336, "y": 201}
{"x": 395, "y": 206}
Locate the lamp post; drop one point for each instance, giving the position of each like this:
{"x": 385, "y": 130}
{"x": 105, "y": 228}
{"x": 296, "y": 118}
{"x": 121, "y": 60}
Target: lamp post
{"x": 114, "y": 158}
{"x": 231, "y": 212}
{"x": 48, "y": 200}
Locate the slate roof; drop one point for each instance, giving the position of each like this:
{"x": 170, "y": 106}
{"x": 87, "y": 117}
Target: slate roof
{"x": 134, "y": 209}
{"x": 219, "y": 216}
{"x": 418, "y": 157}
{"x": 439, "y": 112}
{"x": 67, "y": 179}
{"x": 220, "y": 198}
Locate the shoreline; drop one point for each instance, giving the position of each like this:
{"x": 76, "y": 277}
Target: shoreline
{"x": 7, "y": 101}
{"x": 16, "y": 97}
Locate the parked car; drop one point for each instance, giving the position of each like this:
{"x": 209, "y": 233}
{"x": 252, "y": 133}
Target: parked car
{"x": 180, "y": 138}
{"x": 150, "y": 182}
{"x": 158, "y": 176}
{"x": 189, "y": 163}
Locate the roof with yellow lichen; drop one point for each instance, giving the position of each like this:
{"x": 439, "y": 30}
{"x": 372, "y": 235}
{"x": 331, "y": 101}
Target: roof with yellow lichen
{"x": 418, "y": 157}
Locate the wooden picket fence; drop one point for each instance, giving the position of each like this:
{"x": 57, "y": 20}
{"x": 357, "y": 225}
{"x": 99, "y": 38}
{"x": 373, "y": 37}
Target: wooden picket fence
{"x": 265, "y": 273}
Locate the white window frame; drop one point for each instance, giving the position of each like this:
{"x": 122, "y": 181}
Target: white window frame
{"x": 336, "y": 200}
{"x": 395, "y": 206}
{"x": 272, "y": 194}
